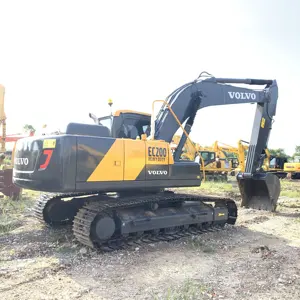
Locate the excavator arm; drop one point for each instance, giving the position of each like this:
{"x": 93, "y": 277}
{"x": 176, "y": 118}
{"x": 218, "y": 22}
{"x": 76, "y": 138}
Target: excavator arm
{"x": 259, "y": 189}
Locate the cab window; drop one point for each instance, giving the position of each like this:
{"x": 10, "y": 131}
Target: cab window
{"x": 208, "y": 156}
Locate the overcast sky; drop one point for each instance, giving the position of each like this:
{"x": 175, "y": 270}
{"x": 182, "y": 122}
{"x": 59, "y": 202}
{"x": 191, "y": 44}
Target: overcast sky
{"x": 60, "y": 60}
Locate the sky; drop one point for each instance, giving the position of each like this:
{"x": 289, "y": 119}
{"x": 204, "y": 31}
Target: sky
{"x": 60, "y": 60}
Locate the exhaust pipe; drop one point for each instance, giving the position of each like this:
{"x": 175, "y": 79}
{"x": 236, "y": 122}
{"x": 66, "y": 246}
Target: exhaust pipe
{"x": 260, "y": 191}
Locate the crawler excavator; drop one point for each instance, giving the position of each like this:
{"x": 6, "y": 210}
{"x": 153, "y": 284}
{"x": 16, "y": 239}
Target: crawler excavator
{"x": 113, "y": 187}
{"x": 273, "y": 164}
{"x": 239, "y": 151}
{"x": 212, "y": 167}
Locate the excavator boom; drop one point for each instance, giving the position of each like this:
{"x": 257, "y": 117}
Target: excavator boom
{"x": 188, "y": 99}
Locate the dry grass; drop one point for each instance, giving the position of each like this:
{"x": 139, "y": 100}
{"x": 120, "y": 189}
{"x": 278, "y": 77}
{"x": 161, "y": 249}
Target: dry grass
{"x": 36, "y": 262}
{"x": 189, "y": 289}
{"x": 12, "y": 212}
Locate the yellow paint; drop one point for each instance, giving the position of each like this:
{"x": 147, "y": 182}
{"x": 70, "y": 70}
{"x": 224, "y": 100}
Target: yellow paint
{"x": 49, "y": 144}
{"x": 134, "y": 158}
{"x": 111, "y": 166}
{"x": 118, "y": 112}
{"x": 292, "y": 167}
{"x": 127, "y": 158}
{"x": 157, "y": 152}
{"x": 171, "y": 158}
{"x": 262, "y": 123}
{"x": 2, "y": 111}
{"x": 221, "y": 214}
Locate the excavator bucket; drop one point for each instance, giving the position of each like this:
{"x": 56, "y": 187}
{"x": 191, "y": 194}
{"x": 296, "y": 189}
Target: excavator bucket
{"x": 259, "y": 192}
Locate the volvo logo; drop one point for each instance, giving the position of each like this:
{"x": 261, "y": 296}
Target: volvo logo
{"x": 243, "y": 96}
{"x": 21, "y": 161}
{"x": 157, "y": 172}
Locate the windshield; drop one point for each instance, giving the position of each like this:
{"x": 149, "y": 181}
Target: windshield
{"x": 208, "y": 156}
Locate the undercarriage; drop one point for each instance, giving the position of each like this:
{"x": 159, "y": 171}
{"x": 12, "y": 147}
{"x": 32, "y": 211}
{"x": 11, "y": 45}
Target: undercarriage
{"x": 111, "y": 222}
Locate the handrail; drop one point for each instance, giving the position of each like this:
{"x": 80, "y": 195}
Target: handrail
{"x": 184, "y": 131}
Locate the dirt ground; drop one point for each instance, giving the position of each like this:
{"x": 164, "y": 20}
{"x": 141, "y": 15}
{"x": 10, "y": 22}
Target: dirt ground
{"x": 258, "y": 258}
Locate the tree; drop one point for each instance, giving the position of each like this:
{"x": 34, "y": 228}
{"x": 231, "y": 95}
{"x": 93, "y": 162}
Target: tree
{"x": 28, "y": 127}
{"x": 297, "y": 151}
{"x": 296, "y": 155}
{"x": 278, "y": 152}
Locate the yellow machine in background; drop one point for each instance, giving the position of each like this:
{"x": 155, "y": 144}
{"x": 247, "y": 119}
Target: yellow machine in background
{"x": 213, "y": 161}
{"x": 238, "y": 163}
{"x": 293, "y": 169}
{"x": 273, "y": 164}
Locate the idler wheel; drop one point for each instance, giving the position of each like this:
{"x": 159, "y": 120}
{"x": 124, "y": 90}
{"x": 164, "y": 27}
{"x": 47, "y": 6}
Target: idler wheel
{"x": 103, "y": 228}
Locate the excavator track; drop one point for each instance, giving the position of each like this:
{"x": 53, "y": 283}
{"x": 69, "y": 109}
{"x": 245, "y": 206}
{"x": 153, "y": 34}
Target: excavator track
{"x": 84, "y": 209}
{"x": 51, "y": 210}
{"x": 85, "y": 222}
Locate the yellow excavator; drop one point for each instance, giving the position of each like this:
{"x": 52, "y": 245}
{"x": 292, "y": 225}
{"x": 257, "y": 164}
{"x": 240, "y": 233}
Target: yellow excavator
{"x": 273, "y": 164}
{"x": 238, "y": 163}
{"x": 111, "y": 180}
{"x": 293, "y": 168}
{"x": 213, "y": 162}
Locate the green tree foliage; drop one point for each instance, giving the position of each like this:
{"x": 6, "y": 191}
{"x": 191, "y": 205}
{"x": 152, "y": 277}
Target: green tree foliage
{"x": 278, "y": 152}
{"x": 281, "y": 153}
{"x": 297, "y": 151}
{"x": 296, "y": 155}
{"x": 28, "y": 127}
{"x": 230, "y": 154}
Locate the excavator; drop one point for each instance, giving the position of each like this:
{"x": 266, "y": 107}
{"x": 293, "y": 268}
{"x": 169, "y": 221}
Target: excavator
{"x": 214, "y": 162}
{"x": 293, "y": 169}
{"x": 238, "y": 162}
{"x": 111, "y": 180}
{"x": 275, "y": 164}
{"x": 272, "y": 163}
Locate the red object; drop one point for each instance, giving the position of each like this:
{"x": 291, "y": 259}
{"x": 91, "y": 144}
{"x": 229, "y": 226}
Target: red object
{"x": 46, "y": 163}
{"x": 15, "y": 137}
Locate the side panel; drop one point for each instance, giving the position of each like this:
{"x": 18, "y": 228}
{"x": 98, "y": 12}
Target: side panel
{"x": 109, "y": 152}
{"x": 134, "y": 160}
{"x": 40, "y": 165}
{"x": 185, "y": 170}
{"x": 157, "y": 160}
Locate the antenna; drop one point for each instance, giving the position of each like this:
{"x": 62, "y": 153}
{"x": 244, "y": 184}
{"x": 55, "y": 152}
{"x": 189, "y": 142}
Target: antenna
{"x": 110, "y": 103}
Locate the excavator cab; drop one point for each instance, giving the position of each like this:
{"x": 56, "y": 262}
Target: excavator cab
{"x": 208, "y": 157}
{"x": 125, "y": 124}
{"x": 277, "y": 162}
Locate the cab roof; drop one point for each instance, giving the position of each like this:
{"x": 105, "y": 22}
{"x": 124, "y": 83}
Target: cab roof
{"x": 124, "y": 111}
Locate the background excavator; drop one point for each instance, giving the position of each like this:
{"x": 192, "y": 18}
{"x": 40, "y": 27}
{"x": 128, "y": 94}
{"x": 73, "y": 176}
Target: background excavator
{"x": 238, "y": 161}
{"x": 214, "y": 163}
{"x": 293, "y": 168}
{"x": 273, "y": 164}
{"x": 111, "y": 179}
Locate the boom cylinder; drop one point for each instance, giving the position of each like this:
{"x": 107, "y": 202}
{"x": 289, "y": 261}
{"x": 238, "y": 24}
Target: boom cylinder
{"x": 245, "y": 81}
